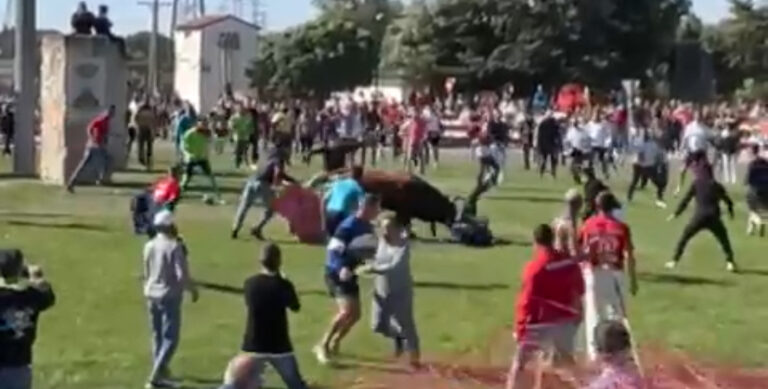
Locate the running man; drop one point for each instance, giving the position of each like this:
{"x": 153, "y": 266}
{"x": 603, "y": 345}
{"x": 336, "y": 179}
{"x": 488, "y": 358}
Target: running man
{"x": 707, "y": 216}
{"x": 341, "y": 264}
{"x": 96, "y": 151}
{"x": 195, "y": 147}
{"x": 607, "y": 244}
{"x": 757, "y": 191}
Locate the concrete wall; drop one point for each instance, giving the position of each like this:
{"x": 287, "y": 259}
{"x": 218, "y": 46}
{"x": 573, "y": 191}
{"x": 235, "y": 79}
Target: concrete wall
{"x": 80, "y": 77}
{"x": 213, "y": 71}
{"x": 189, "y": 66}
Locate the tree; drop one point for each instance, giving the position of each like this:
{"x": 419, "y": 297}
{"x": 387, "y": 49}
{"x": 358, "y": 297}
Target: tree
{"x": 339, "y": 50}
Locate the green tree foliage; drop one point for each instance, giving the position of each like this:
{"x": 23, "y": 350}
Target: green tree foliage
{"x": 740, "y": 47}
{"x": 338, "y": 50}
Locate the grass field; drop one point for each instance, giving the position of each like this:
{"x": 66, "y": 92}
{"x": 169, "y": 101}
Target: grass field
{"x": 97, "y": 334}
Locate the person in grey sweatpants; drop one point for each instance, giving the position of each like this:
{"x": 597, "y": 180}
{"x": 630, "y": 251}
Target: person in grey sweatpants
{"x": 259, "y": 188}
{"x": 166, "y": 277}
{"x": 392, "y": 311}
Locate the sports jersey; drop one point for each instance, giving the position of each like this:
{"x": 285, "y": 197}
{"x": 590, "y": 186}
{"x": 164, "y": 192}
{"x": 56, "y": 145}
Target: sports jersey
{"x": 604, "y": 240}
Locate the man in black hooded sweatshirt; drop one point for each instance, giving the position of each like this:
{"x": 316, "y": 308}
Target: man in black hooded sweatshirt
{"x": 23, "y": 295}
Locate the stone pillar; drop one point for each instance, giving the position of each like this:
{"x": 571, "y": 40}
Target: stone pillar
{"x": 80, "y": 77}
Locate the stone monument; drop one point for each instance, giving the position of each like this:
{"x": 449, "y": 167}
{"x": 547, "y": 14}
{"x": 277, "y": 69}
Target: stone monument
{"x": 80, "y": 77}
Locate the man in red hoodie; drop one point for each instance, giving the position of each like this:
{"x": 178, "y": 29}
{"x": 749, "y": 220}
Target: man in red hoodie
{"x": 548, "y": 309}
{"x": 96, "y": 152}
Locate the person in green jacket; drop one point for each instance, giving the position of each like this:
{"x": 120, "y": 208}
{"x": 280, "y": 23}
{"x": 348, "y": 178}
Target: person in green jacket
{"x": 195, "y": 145}
{"x": 241, "y": 124}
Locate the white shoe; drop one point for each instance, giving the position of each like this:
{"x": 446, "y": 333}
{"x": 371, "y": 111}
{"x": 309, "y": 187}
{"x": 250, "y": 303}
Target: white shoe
{"x": 661, "y": 204}
{"x": 731, "y": 267}
{"x": 671, "y": 265}
{"x": 321, "y": 354}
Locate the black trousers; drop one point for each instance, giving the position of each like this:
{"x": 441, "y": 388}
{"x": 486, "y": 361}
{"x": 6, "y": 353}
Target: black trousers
{"x": 254, "y": 141}
{"x": 546, "y": 155}
{"x": 655, "y": 174}
{"x": 487, "y": 177}
{"x": 601, "y": 155}
{"x": 527, "y": 156}
{"x": 578, "y": 160}
{"x": 146, "y": 140}
{"x": 699, "y": 223}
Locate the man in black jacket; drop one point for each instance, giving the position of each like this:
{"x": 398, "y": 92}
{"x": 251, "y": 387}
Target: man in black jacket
{"x": 548, "y": 144}
{"x": 708, "y": 194}
{"x": 757, "y": 191}
{"x": 23, "y": 295}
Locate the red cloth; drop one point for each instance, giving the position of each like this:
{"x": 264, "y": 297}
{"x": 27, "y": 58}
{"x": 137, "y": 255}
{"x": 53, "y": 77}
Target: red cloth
{"x": 166, "y": 190}
{"x": 301, "y": 207}
{"x": 570, "y": 98}
{"x": 605, "y": 240}
{"x": 98, "y": 129}
{"x": 551, "y": 291}
{"x": 417, "y": 131}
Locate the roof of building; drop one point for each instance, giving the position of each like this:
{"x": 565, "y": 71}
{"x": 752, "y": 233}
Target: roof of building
{"x": 209, "y": 20}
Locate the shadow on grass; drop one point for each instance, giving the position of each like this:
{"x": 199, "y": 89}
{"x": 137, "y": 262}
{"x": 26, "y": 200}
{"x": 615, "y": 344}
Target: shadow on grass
{"x": 229, "y": 289}
{"x": 62, "y": 226}
{"x": 682, "y": 280}
{"x": 754, "y": 272}
{"x": 526, "y": 199}
{"x": 457, "y": 286}
{"x": 33, "y": 214}
{"x": 498, "y": 242}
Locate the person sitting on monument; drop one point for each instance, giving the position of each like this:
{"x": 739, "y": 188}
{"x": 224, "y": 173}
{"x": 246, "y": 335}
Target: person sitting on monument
{"x": 83, "y": 20}
{"x": 96, "y": 151}
{"x": 103, "y": 26}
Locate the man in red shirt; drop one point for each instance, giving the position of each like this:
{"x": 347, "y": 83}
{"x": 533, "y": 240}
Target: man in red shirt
{"x": 166, "y": 192}
{"x": 548, "y": 310}
{"x": 607, "y": 244}
{"x": 96, "y": 152}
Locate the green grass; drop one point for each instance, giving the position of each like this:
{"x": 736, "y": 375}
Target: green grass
{"x": 97, "y": 334}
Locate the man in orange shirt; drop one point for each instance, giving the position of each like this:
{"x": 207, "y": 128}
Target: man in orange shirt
{"x": 607, "y": 244}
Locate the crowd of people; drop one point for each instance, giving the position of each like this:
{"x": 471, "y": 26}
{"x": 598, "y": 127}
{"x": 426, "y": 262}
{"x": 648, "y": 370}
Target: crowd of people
{"x": 577, "y": 273}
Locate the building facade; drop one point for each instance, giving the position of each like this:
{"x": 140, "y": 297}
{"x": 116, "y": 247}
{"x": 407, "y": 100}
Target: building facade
{"x": 212, "y": 54}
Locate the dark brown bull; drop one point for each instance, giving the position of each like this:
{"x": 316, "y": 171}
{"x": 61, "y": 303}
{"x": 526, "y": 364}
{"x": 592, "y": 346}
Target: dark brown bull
{"x": 410, "y": 197}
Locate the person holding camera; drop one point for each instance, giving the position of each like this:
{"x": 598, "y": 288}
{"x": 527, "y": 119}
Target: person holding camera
{"x": 24, "y": 294}
{"x": 166, "y": 277}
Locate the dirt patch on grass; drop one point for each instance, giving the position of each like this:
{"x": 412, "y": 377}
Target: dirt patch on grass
{"x": 487, "y": 368}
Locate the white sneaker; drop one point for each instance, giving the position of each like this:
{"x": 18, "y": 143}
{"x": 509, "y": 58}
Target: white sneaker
{"x": 731, "y": 267}
{"x": 661, "y": 204}
{"x": 321, "y": 354}
{"x": 671, "y": 265}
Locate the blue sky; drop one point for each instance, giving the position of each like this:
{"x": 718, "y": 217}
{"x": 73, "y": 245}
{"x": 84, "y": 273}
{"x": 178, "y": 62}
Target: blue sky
{"x": 129, "y": 16}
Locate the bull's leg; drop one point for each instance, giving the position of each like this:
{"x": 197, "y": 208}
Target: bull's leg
{"x": 433, "y": 227}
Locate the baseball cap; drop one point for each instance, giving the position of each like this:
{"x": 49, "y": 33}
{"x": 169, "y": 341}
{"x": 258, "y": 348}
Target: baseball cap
{"x": 163, "y": 218}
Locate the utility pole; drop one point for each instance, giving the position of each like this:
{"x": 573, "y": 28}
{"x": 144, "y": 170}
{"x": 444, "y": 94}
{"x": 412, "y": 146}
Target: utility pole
{"x": 152, "y": 72}
{"x": 25, "y": 72}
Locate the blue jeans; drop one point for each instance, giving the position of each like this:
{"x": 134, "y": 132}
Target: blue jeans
{"x": 165, "y": 321}
{"x": 286, "y": 366}
{"x": 16, "y": 377}
{"x": 94, "y": 155}
{"x": 254, "y": 190}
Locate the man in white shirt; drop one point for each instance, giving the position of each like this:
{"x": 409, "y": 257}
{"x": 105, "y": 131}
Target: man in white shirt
{"x": 600, "y": 134}
{"x": 648, "y": 165}
{"x": 579, "y": 144}
{"x": 696, "y": 137}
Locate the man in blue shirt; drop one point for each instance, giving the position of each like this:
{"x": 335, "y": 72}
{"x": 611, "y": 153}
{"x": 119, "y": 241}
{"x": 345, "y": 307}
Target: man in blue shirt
{"x": 341, "y": 262}
{"x": 342, "y": 198}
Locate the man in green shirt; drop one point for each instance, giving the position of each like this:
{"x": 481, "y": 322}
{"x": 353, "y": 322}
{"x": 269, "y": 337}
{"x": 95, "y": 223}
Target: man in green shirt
{"x": 195, "y": 146}
{"x": 241, "y": 124}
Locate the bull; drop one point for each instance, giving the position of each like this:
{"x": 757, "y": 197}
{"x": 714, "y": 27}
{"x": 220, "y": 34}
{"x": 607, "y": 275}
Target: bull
{"x": 411, "y": 197}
